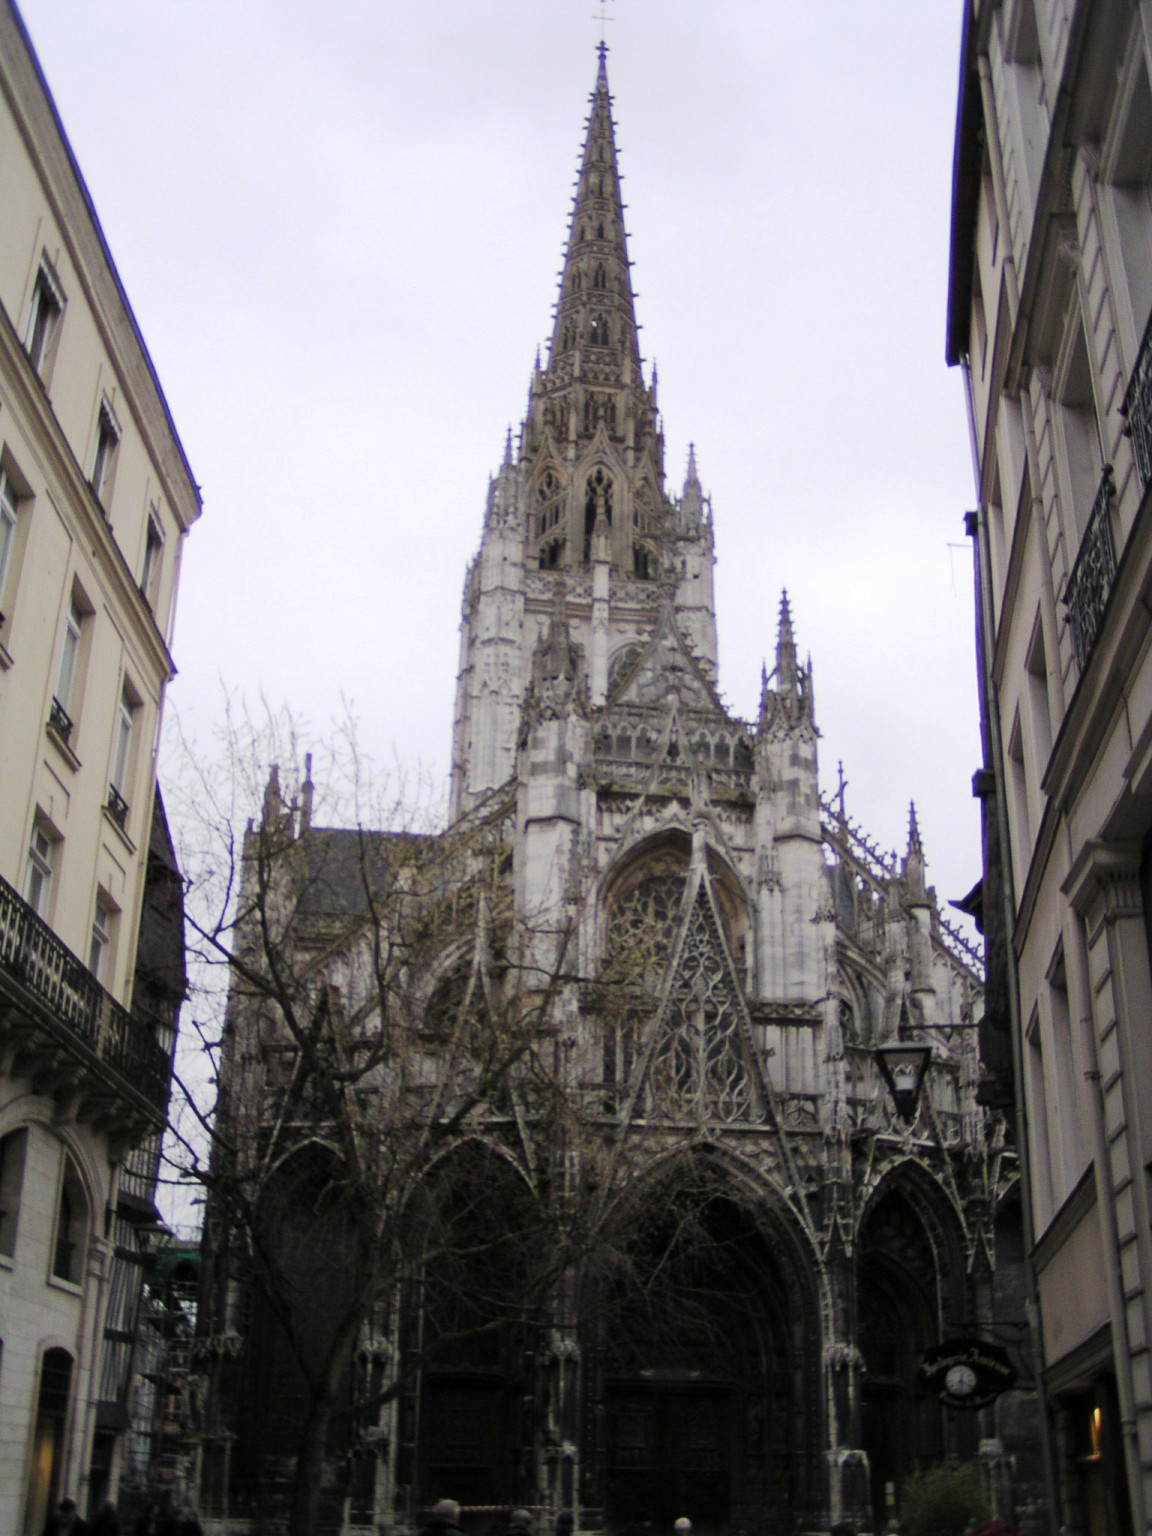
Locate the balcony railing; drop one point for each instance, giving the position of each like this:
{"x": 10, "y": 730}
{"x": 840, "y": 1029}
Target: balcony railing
{"x": 1093, "y": 574}
{"x": 117, "y": 806}
{"x": 60, "y": 720}
{"x": 52, "y": 976}
{"x": 1137, "y": 408}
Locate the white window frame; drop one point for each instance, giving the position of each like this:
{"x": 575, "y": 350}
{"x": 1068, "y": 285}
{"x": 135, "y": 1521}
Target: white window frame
{"x": 44, "y": 314}
{"x": 69, "y": 656}
{"x": 40, "y": 870}
{"x": 9, "y": 512}
{"x": 122, "y": 735}
{"x": 153, "y": 560}
{"x": 100, "y": 946}
{"x": 104, "y": 455}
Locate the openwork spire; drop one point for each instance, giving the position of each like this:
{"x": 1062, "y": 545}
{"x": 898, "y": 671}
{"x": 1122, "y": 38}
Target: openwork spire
{"x": 787, "y": 674}
{"x": 595, "y": 314}
{"x": 915, "y": 846}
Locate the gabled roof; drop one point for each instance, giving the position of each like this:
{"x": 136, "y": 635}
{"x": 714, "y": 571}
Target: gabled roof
{"x": 667, "y": 672}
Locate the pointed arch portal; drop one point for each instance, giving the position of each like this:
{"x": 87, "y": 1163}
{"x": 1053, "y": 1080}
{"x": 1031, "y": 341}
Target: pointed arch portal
{"x": 705, "y": 1375}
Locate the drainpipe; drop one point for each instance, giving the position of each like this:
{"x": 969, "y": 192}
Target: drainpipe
{"x": 986, "y": 635}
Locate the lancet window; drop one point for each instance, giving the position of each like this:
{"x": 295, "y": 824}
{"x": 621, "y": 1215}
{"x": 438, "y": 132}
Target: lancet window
{"x": 549, "y": 502}
{"x": 643, "y": 921}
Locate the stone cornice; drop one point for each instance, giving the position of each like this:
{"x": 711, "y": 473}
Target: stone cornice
{"x": 1105, "y": 878}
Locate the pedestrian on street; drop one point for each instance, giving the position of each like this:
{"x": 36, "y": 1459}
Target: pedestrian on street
{"x": 107, "y": 1521}
{"x": 150, "y": 1523}
{"x": 443, "y": 1519}
{"x": 67, "y": 1520}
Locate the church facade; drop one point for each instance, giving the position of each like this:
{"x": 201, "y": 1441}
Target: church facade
{"x": 822, "y": 1226}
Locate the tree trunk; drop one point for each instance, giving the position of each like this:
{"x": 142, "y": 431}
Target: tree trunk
{"x": 304, "y": 1505}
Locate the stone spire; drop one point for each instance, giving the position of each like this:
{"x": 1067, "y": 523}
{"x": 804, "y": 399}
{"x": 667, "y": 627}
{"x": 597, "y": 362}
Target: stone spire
{"x": 595, "y": 314}
{"x": 692, "y": 501}
{"x": 591, "y": 450}
{"x": 913, "y": 867}
{"x": 787, "y": 671}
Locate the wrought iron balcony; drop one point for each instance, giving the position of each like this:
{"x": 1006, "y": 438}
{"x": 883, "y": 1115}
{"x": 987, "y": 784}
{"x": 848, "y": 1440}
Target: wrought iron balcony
{"x": 117, "y": 806}
{"x": 1137, "y": 408}
{"x": 1093, "y": 574}
{"x": 61, "y": 1022}
{"x": 60, "y": 720}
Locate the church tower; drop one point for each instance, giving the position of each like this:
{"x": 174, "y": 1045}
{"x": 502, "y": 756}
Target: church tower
{"x": 580, "y": 508}
{"x": 754, "y": 1241}
{"x": 695, "y": 861}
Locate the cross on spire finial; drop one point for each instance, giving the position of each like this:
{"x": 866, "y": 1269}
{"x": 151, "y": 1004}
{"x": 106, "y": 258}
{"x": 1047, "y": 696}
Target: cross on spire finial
{"x": 603, "y": 18}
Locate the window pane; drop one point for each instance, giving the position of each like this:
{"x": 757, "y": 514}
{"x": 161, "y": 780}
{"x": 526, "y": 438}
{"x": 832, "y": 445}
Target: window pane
{"x": 122, "y": 746}
{"x": 7, "y": 525}
{"x": 68, "y": 654}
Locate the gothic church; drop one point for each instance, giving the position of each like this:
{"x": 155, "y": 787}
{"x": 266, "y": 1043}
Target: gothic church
{"x": 835, "y": 1235}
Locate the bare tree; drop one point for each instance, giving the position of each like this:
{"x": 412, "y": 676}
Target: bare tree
{"x": 365, "y": 1001}
{"x": 377, "y": 1016}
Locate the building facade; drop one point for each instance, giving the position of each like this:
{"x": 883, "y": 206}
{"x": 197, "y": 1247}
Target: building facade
{"x": 95, "y": 500}
{"x": 655, "y": 848}
{"x": 1049, "y": 307}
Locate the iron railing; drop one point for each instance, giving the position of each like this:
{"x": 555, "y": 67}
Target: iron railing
{"x": 48, "y": 971}
{"x": 1093, "y": 574}
{"x": 60, "y": 720}
{"x": 1137, "y": 408}
{"x": 117, "y": 806}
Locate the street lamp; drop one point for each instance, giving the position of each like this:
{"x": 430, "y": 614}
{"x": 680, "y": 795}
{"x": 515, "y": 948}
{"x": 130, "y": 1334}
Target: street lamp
{"x": 902, "y": 1065}
{"x": 904, "y": 1062}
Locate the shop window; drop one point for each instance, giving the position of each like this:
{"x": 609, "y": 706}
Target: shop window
{"x": 45, "y": 1465}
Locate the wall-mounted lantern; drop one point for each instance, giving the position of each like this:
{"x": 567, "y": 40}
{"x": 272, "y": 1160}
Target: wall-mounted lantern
{"x": 902, "y": 1065}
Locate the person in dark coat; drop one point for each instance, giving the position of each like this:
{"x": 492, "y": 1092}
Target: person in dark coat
{"x": 151, "y": 1522}
{"x": 443, "y": 1519}
{"x": 67, "y": 1521}
{"x": 107, "y": 1521}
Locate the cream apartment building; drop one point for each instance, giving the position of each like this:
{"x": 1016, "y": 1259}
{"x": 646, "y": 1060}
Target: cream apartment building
{"x": 96, "y": 497}
{"x": 1049, "y": 305}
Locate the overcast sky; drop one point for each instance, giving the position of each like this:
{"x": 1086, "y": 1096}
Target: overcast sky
{"x": 340, "y": 226}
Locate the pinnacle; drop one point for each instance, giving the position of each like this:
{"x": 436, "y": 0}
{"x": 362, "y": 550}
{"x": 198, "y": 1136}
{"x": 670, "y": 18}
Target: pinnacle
{"x": 915, "y": 846}
{"x": 787, "y": 676}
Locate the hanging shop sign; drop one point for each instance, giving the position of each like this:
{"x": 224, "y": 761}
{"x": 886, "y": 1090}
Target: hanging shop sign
{"x": 966, "y": 1373}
